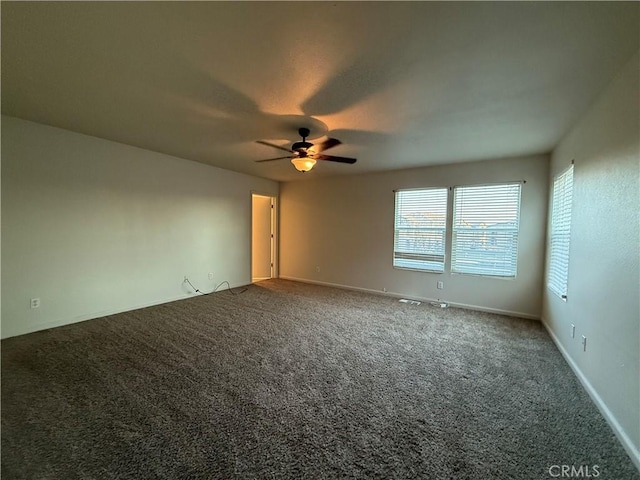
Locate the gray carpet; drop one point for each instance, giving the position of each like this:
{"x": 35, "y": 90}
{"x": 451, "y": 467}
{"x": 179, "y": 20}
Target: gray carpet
{"x": 296, "y": 381}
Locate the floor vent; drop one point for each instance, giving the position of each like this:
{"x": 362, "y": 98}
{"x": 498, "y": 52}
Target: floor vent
{"x": 440, "y": 304}
{"x": 410, "y": 302}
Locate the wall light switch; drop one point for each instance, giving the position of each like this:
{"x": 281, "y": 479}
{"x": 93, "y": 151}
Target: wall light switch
{"x": 440, "y": 285}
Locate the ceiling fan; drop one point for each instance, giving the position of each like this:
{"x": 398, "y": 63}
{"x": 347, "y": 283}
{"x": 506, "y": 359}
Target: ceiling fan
{"x": 305, "y": 154}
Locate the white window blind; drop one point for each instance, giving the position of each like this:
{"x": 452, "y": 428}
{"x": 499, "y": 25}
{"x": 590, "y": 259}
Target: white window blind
{"x": 420, "y": 228}
{"x": 560, "y": 233}
{"x": 486, "y": 221}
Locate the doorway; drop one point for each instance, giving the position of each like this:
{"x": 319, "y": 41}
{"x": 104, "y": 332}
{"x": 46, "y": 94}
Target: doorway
{"x": 263, "y": 237}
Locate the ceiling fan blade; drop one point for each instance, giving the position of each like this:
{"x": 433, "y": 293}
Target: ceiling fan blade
{"x": 327, "y": 144}
{"x": 274, "y": 146}
{"x": 278, "y": 158}
{"x": 331, "y": 158}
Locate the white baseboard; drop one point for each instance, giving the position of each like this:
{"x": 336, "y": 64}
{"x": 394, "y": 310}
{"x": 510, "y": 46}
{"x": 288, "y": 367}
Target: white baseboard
{"x": 88, "y": 316}
{"x": 260, "y": 279}
{"x": 632, "y": 450}
{"x": 413, "y": 297}
{"x": 510, "y": 313}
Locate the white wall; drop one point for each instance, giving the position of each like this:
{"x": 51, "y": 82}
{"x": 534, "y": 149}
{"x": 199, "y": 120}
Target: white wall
{"x": 603, "y": 286}
{"x": 344, "y": 226}
{"x": 93, "y": 227}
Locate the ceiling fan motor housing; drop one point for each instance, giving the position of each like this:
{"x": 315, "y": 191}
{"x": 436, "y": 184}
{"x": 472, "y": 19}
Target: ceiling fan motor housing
{"x": 303, "y": 146}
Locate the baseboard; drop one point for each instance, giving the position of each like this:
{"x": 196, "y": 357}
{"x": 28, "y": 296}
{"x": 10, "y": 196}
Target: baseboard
{"x": 510, "y": 313}
{"x": 260, "y": 279}
{"x": 626, "y": 442}
{"x": 90, "y": 316}
{"x": 413, "y": 297}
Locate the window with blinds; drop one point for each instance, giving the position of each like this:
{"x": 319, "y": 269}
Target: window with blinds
{"x": 486, "y": 221}
{"x": 558, "y": 271}
{"x": 420, "y": 229}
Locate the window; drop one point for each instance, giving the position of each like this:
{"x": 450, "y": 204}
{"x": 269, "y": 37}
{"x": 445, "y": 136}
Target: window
{"x": 560, "y": 233}
{"x": 420, "y": 228}
{"x": 486, "y": 220}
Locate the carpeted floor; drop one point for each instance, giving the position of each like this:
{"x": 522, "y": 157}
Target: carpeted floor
{"x": 294, "y": 381}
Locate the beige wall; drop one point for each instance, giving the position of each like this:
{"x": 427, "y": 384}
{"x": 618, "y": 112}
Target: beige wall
{"x": 340, "y": 231}
{"x": 603, "y": 287}
{"x": 93, "y": 227}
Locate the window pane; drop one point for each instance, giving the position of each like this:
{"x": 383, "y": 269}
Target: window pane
{"x": 486, "y": 221}
{"x": 420, "y": 226}
{"x": 560, "y": 233}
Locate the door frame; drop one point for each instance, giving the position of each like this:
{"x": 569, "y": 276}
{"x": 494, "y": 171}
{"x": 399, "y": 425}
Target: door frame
{"x": 274, "y": 232}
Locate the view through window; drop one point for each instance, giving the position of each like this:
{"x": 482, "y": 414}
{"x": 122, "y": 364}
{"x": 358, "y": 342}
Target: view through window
{"x": 486, "y": 222}
{"x": 420, "y": 229}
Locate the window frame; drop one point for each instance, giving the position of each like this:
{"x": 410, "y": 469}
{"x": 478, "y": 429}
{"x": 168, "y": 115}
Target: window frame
{"x": 455, "y": 249}
{"x": 557, "y": 274}
{"x": 444, "y": 229}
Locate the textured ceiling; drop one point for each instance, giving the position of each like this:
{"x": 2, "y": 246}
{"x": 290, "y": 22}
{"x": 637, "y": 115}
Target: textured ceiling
{"x": 401, "y": 84}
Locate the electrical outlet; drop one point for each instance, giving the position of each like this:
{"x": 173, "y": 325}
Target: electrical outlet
{"x": 210, "y": 275}
{"x": 584, "y": 343}
{"x": 185, "y": 279}
{"x": 318, "y": 269}
{"x": 440, "y": 285}
{"x": 573, "y": 331}
{"x": 35, "y": 303}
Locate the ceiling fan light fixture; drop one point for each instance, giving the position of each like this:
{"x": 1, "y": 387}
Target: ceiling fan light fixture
{"x": 303, "y": 164}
